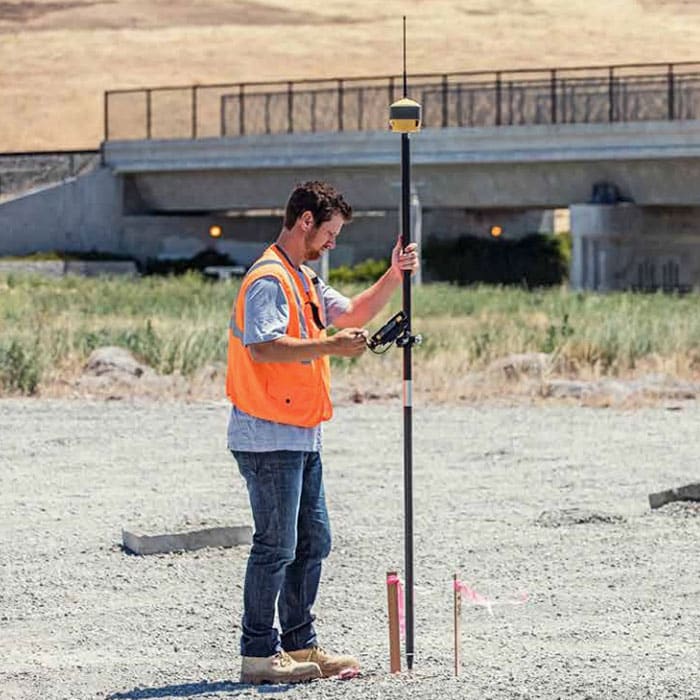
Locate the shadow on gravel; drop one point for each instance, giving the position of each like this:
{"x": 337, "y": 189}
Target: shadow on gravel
{"x": 187, "y": 690}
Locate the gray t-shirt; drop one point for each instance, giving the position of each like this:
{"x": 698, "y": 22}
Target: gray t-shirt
{"x": 266, "y": 318}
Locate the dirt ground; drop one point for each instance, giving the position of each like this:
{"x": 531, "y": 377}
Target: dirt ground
{"x": 547, "y": 500}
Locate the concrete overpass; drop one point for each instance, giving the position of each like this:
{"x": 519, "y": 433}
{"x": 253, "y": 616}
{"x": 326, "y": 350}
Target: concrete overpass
{"x": 159, "y": 197}
{"x": 652, "y": 163}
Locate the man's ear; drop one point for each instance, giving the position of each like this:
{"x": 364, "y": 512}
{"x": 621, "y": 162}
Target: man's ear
{"x": 307, "y": 220}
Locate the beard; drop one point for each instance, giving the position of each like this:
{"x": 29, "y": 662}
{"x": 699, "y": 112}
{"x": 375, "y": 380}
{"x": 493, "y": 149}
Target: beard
{"x": 311, "y": 253}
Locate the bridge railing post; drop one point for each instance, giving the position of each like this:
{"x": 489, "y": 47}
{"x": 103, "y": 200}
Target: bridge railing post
{"x": 105, "y": 114}
{"x": 148, "y": 114}
{"x": 340, "y": 105}
{"x": 268, "y": 98}
{"x": 241, "y": 109}
{"x": 194, "y": 111}
{"x": 498, "y": 98}
{"x": 553, "y": 93}
{"x": 445, "y": 110}
{"x": 671, "y": 93}
{"x": 222, "y": 116}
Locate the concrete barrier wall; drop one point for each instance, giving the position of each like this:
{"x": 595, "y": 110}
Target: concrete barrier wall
{"x": 81, "y": 214}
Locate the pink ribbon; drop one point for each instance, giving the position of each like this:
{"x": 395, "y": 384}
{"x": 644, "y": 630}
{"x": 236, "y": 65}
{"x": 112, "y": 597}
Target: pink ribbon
{"x": 477, "y": 599}
{"x": 394, "y": 580}
{"x": 348, "y": 674}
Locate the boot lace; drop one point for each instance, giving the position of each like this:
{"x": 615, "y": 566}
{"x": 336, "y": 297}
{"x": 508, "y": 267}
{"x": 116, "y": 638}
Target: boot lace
{"x": 283, "y": 658}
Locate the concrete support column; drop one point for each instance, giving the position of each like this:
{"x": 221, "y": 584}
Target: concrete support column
{"x": 598, "y": 234}
{"x": 624, "y": 246}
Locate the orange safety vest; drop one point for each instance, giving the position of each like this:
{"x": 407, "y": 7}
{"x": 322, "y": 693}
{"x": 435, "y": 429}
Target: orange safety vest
{"x": 295, "y": 393}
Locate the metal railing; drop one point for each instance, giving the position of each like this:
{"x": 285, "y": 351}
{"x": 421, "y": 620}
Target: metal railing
{"x": 591, "y": 94}
{"x": 20, "y": 172}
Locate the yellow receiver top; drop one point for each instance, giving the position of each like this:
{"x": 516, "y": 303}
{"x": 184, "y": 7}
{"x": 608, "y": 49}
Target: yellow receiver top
{"x": 405, "y": 116}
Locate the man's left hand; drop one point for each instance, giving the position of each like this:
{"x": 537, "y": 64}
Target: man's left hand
{"x": 402, "y": 260}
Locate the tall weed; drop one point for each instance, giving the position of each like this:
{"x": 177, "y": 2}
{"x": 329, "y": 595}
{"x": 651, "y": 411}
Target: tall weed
{"x": 20, "y": 367}
{"x": 179, "y": 324}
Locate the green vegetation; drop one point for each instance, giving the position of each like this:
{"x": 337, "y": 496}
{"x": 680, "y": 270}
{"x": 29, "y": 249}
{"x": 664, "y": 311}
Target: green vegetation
{"x": 367, "y": 271}
{"x": 533, "y": 261}
{"x": 174, "y": 324}
{"x": 20, "y": 368}
{"x": 178, "y": 324}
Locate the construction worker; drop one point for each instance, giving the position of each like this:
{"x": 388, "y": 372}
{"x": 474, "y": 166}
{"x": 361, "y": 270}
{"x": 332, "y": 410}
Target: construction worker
{"x": 278, "y": 380}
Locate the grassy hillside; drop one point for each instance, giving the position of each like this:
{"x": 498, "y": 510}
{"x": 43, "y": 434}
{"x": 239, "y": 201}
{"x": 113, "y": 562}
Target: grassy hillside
{"x": 57, "y": 57}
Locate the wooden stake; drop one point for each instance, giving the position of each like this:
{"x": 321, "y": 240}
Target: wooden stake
{"x": 392, "y": 590}
{"x": 457, "y": 603}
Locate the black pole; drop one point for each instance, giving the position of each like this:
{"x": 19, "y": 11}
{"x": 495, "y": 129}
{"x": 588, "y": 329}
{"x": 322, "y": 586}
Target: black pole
{"x": 407, "y": 402}
{"x": 407, "y": 382}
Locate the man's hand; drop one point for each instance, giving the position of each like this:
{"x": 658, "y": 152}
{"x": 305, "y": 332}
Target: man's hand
{"x": 348, "y": 342}
{"x": 404, "y": 259}
{"x": 365, "y": 306}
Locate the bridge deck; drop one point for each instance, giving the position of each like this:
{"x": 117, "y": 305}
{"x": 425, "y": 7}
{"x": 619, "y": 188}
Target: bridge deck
{"x": 653, "y": 163}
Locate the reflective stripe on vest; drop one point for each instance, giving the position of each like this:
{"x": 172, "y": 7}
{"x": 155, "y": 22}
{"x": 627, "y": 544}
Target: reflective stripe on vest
{"x": 300, "y": 306}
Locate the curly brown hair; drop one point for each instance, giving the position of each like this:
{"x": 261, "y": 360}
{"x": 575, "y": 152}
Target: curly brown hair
{"x": 320, "y": 198}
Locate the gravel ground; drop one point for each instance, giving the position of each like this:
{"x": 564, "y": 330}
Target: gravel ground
{"x": 548, "y": 500}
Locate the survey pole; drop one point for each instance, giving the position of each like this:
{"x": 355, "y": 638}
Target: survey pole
{"x": 407, "y": 403}
{"x": 405, "y": 118}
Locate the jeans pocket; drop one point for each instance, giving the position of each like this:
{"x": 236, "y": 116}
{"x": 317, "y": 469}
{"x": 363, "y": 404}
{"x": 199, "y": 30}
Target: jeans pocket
{"x": 247, "y": 463}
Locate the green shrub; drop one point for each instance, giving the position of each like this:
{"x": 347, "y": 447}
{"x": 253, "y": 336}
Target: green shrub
{"x": 564, "y": 243}
{"x": 20, "y": 370}
{"x": 534, "y": 261}
{"x": 369, "y": 270}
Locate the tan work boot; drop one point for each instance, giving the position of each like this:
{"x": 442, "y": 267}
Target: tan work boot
{"x": 278, "y": 668}
{"x": 330, "y": 664}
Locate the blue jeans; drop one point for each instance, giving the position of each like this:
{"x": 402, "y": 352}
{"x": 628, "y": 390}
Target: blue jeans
{"x": 292, "y": 536}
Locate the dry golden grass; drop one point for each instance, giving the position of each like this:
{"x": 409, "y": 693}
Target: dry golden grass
{"x": 479, "y": 342}
{"x": 57, "y": 58}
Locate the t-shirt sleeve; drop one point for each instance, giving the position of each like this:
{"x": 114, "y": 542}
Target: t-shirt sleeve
{"x": 266, "y": 311}
{"x": 335, "y": 303}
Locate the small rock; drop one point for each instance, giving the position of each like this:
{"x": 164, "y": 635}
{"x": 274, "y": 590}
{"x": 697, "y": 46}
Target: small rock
{"x": 114, "y": 360}
{"x": 530, "y": 364}
{"x": 567, "y": 389}
{"x": 575, "y": 516}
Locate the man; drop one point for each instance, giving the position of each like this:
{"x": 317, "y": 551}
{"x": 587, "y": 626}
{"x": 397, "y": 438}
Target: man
{"x": 278, "y": 380}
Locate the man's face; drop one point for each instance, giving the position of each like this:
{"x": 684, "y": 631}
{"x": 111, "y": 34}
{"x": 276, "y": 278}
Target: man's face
{"x": 319, "y": 239}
